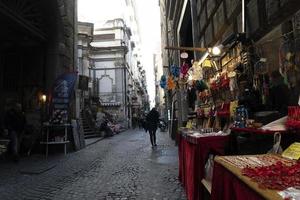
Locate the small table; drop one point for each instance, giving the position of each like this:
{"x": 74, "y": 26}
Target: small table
{"x": 65, "y": 140}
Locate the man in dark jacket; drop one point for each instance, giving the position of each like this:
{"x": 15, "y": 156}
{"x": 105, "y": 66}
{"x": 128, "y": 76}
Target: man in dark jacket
{"x": 14, "y": 123}
{"x": 152, "y": 120}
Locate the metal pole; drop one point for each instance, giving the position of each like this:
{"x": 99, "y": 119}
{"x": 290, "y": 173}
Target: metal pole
{"x": 243, "y": 17}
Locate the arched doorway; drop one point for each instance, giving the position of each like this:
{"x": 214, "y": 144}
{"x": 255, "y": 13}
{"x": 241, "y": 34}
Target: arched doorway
{"x": 29, "y": 57}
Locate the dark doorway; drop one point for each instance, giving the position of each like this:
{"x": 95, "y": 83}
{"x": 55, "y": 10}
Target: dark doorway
{"x": 186, "y": 32}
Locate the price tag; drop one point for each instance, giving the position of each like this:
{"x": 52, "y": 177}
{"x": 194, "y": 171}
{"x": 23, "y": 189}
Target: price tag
{"x": 293, "y": 151}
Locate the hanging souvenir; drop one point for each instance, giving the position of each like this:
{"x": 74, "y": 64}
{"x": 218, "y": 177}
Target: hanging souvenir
{"x": 175, "y": 71}
{"x": 201, "y": 85}
{"x": 203, "y": 94}
{"x": 171, "y": 83}
{"x": 224, "y": 81}
{"x": 232, "y": 107}
{"x": 232, "y": 81}
{"x": 197, "y": 73}
{"x": 184, "y": 70}
{"x": 223, "y": 110}
{"x": 200, "y": 112}
{"x": 163, "y": 81}
{"x": 191, "y": 97}
{"x": 206, "y": 64}
{"x": 181, "y": 83}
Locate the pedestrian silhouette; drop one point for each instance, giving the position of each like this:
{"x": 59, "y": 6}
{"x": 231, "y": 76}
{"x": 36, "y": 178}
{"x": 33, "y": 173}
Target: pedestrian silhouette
{"x": 152, "y": 120}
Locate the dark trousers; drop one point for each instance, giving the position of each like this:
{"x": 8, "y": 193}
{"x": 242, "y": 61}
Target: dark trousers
{"x": 14, "y": 143}
{"x": 152, "y": 133}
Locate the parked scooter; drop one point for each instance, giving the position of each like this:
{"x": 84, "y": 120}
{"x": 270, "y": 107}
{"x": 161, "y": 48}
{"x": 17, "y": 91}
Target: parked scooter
{"x": 162, "y": 125}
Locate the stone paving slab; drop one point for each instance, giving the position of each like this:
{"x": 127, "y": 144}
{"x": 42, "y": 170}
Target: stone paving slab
{"x": 118, "y": 168}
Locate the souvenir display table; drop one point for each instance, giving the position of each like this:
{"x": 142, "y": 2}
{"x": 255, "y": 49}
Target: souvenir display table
{"x": 50, "y": 129}
{"x": 193, "y": 152}
{"x": 231, "y": 177}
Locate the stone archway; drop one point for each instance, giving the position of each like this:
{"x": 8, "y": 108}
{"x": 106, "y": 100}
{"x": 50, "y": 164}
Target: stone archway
{"x": 36, "y": 46}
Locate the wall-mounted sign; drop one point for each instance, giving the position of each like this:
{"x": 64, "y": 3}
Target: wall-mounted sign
{"x": 184, "y": 55}
{"x": 83, "y": 83}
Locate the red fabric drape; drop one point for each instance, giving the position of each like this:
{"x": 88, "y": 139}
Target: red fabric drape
{"x": 226, "y": 186}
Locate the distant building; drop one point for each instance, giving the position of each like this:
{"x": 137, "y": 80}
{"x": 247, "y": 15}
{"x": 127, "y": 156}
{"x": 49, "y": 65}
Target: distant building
{"x": 111, "y": 54}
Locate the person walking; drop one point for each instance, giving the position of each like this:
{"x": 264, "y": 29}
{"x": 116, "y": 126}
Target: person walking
{"x": 152, "y": 120}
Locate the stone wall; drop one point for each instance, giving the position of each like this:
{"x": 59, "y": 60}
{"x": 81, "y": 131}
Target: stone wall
{"x": 68, "y": 33}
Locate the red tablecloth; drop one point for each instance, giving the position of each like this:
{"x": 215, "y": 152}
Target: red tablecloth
{"x": 192, "y": 158}
{"x": 226, "y": 186}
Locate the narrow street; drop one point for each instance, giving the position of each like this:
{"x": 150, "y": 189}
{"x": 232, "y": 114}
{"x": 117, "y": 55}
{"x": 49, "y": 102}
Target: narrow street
{"x": 122, "y": 167}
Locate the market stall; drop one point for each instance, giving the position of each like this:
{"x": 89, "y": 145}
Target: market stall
{"x": 235, "y": 88}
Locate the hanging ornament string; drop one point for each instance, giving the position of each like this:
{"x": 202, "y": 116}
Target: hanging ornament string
{"x": 175, "y": 71}
{"x": 171, "y": 83}
{"x": 163, "y": 81}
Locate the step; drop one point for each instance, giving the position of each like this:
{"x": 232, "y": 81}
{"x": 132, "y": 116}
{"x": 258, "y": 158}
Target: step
{"x": 92, "y": 136}
{"x": 89, "y": 132}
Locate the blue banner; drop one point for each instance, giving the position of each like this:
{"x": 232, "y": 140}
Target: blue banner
{"x": 62, "y": 91}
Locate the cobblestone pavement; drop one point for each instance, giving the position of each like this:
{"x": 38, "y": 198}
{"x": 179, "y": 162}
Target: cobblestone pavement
{"x": 118, "y": 168}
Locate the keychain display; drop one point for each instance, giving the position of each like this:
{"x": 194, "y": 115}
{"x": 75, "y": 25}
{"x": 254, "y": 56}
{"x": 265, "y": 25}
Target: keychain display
{"x": 241, "y": 116}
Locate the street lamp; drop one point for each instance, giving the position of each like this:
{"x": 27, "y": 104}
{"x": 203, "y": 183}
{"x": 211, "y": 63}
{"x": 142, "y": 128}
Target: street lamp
{"x": 216, "y": 50}
{"x": 44, "y": 98}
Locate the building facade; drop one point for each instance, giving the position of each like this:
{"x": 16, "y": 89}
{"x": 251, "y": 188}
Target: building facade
{"x": 117, "y": 79}
{"x": 111, "y": 49}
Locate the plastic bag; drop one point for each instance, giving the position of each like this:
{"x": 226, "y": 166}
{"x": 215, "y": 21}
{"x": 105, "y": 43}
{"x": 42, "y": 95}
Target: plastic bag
{"x": 209, "y": 166}
{"x": 276, "y": 146}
